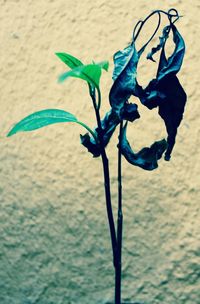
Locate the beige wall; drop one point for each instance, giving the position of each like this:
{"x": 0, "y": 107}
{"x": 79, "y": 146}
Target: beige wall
{"x": 54, "y": 240}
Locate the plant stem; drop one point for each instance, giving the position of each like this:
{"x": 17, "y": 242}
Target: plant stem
{"x": 88, "y": 129}
{"x": 109, "y": 206}
{"x": 106, "y": 172}
{"x": 119, "y": 225}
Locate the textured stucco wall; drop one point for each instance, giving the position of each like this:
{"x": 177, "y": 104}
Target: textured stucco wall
{"x": 54, "y": 239}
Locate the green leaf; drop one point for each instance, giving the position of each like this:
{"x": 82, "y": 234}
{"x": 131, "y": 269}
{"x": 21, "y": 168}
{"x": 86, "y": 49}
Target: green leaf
{"x": 71, "y": 61}
{"x": 90, "y": 73}
{"x": 41, "y": 119}
{"x": 44, "y": 118}
{"x": 104, "y": 65}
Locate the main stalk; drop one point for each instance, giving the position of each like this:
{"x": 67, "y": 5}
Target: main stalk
{"x": 118, "y": 268}
{"x": 106, "y": 174}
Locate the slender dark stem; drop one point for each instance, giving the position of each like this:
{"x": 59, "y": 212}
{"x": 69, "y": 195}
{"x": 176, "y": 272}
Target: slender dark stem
{"x": 141, "y": 23}
{"x": 106, "y": 172}
{"x": 109, "y": 205}
{"x": 119, "y": 225}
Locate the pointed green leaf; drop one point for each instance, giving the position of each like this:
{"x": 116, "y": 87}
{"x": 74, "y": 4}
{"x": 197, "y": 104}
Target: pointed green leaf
{"x": 41, "y": 119}
{"x": 90, "y": 73}
{"x": 44, "y": 118}
{"x": 71, "y": 61}
{"x": 104, "y": 65}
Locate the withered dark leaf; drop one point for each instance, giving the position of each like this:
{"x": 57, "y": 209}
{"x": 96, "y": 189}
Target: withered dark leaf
{"x": 172, "y": 64}
{"x": 147, "y": 158}
{"x": 162, "y": 39}
{"x": 166, "y": 91}
{"x": 130, "y": 112}
{"x": 108, "y": 123}
{"x": 88, "y": 142}
{"x": 172, "y": 109}
{"x": 124, "y": 76}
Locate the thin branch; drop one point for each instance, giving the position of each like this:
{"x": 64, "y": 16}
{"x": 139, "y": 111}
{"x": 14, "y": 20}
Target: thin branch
{"x": 119, "y": 224}
{"x": 106, "y": 172}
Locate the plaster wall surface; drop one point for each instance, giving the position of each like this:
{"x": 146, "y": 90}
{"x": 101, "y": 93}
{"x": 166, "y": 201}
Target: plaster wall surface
{"x": 54, "y": 238}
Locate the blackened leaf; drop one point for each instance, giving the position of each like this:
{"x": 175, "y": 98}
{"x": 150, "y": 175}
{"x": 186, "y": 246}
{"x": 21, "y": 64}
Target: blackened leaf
{"x": 170, "y": 97}
{"x": 163, "y": 39}
{"x": 173, "y": 64}
{"x": 88, "y": 129}
{"x": 172, "y": 109}
{"x": 121, "y": 59}
{"x": 130, "y": 112}
{"x": 166, "y": 92}
{"x": 71, "y": 61}
{"x": 109, "y": 124}
{"x": 90, "y": 144}
{"x": 147, "y": 158}
{"x": 124, "y": 75}
{"x": 151, "y": 96}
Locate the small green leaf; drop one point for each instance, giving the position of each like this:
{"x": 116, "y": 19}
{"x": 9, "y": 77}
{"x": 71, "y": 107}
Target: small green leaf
{"x": 41, "y": 119}
{"x": 104, "y": 65}
{"x": 90, "y": 73}
{"x": 71, "y": 61}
